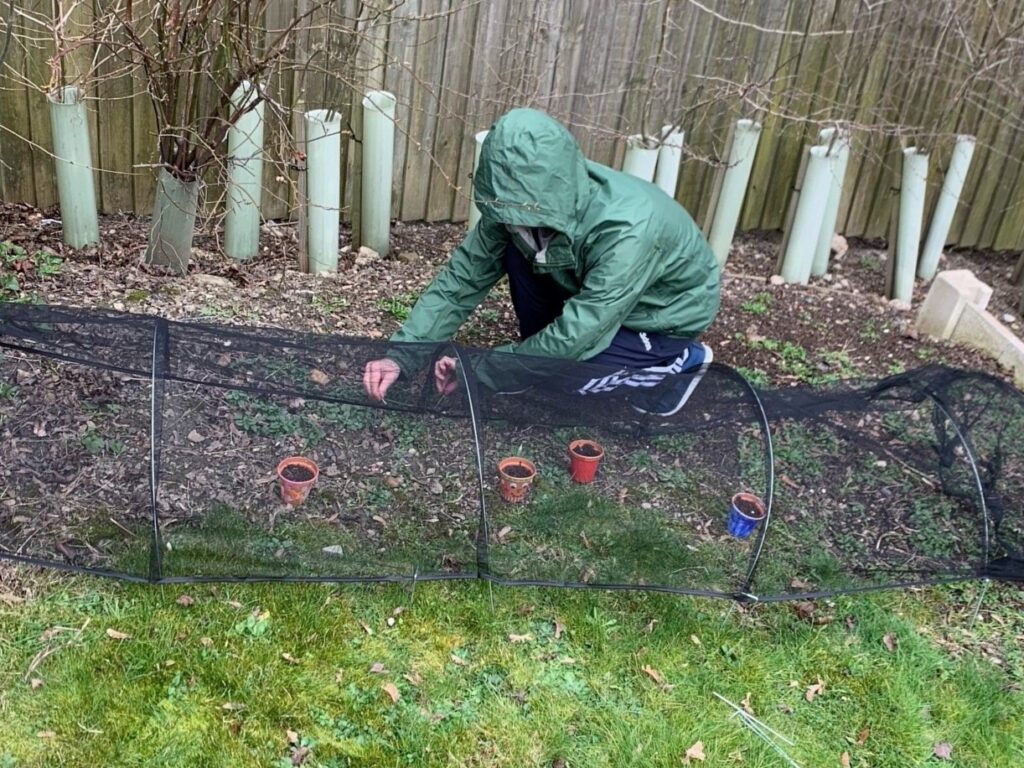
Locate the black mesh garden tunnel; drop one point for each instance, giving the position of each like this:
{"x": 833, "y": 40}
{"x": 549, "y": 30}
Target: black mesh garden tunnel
{"x": 141, "y": 448}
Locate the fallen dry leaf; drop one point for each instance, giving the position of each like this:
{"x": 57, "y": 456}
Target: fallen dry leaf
{"x": 649, "y": 626}
{"x": 9, "y": 599}
{"x": 37, "y": 682}
{"x": 696, "y": 752}
{"x": 46, "y": 734}
{"x": 746, "y": 704}
{"x": 366, "y": 627}
{"x": 235, "y": 604}
{"x": 392, "y": 691}
{"x": 113, "y": 634}
{"x": 654, "y": 674}
{"x": 943, "y": 750}
{"x": 800, "y": 584}
{"x": 299, "y": 755}
{"x": 559, "y": 629}
{"x": 503, "y": 533}
{"x": 377, "y": 668}
{"x": 694, "y": 639}
{"x": 289, "y": 658}
{"x": 293, "y": 737}
{"x": 814, "y": 690}
{"x": 231, "y": 706}
{"x": 207, "y": 642}
{"x": 520, "y": 638}
{"x": 413, "y": 678}
{"x": 844, "y": 760}
{"x": 459, "y": 661}
{"x": 196, "y": 437}
{"x": 186, "y": 600}
{"x": 862, "y": 737}
{"x": 890, "y": 642}
{"x": 319, "y": 377}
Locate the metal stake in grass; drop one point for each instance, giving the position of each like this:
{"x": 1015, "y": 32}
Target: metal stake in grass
{"x": 977, "y": 603}
{"x": 761, "y": 730}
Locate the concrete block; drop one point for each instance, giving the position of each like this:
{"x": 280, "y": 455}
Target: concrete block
{"x": 950, "y": 292}
{"x": 982, "y": 331}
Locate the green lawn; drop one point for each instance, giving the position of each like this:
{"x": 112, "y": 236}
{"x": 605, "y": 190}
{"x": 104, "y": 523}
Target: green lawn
{"x": 227, "y": 675}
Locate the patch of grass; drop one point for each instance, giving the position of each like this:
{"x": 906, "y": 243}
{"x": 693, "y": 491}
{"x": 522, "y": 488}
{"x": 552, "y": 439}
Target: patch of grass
{"x": 257, "y": 674}
{"x": 759, "y": 305}
{"x": 398, "y": 306}
{"x": 326, "y": 304}
{"x": 755, "y": 376}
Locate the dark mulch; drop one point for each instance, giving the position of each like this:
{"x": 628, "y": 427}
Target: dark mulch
{"x": 841, "y": 322}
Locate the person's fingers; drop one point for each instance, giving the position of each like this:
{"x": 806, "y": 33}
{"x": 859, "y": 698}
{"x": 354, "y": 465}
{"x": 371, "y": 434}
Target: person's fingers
{"x": 368, "y": 380}
{"x": 388, "y": 377}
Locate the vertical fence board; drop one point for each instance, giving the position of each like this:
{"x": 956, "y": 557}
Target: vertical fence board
{"x": 38, "y": 71}
{"x": 699, "y": 143}
{"x": 16, "y": 171}
{"x": 426, "y": 94}
{"x": 979, "y": 120}
{"x": 867, "y": 157}
{"x": 450, "y": 120}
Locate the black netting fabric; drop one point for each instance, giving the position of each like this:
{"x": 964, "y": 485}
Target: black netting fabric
{"x": 141, "y": 448}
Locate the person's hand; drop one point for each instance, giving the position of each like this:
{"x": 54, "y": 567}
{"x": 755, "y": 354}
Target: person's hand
{"x": 378, "y": 377}
{"x": 445, "y": 378}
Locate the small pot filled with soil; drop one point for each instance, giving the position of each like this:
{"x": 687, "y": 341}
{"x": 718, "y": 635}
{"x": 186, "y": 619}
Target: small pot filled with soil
{"x": 745, "y": 513}
{"x": 296, "y": 476}
{"x": 516, "y": 475}
{"x": 584, "y": 458}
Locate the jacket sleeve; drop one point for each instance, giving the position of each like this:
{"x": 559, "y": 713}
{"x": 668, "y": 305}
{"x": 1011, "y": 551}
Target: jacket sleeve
{"x": 473, "y": 269}
{"x": 619, "y": 271}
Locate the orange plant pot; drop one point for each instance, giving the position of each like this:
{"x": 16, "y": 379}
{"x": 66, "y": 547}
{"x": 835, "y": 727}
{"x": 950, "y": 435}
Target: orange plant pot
{"x": 295, "y": 489}
{"x": 584, "y": 458}
{"x": 516, "y": 475}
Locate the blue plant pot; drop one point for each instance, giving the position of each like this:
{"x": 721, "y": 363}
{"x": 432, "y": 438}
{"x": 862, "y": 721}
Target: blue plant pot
{"x": 745, "y": 513}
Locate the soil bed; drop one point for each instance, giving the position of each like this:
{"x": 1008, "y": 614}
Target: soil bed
{"x": 587, "y": 450}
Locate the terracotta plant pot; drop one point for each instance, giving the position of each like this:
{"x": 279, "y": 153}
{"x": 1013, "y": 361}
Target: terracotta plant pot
{"x": 516, "y": 475}
{"x": 584, "y": 458}
{"x": 745, "y": 514}
{"x": 296, "y": 476}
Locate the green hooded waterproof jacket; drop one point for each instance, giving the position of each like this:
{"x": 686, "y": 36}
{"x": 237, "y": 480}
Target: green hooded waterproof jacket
{"x": 624, "y": 252}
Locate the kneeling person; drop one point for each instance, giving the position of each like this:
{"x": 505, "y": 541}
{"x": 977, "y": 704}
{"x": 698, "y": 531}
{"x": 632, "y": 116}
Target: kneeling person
{"x": 603, "y": 267}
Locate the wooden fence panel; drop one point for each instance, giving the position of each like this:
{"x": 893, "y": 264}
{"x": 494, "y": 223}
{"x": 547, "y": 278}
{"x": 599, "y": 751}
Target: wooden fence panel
{"x": 607, "y": 68}
{"x": 17, "y": 182}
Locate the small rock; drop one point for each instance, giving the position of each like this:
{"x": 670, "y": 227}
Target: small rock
{"x": 214, "y": 281}
{"x": 777, "y": 280}
{"x": 408, "y": 256}
{"x": 1008, "y": 318}
{"x": 844, "y": 283}
{"x": 899, "y": 305}
{"x": 839, "y": 245}
{"x": 366, "y": 256}
{"x": 436, "y": 487}
{"x": 827, "y": 277}
{"x": 333, "y": 549}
